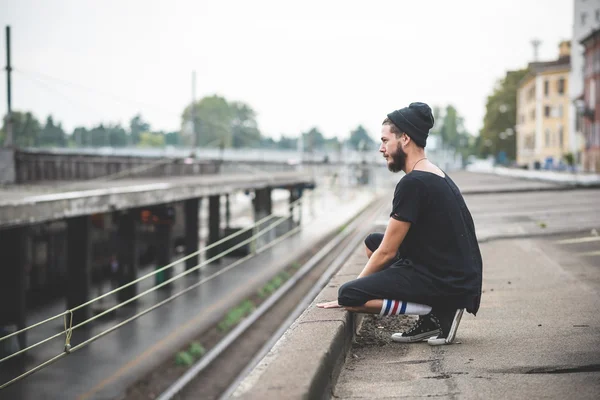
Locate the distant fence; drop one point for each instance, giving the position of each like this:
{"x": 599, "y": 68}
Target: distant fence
{"x": 31, "y": 167}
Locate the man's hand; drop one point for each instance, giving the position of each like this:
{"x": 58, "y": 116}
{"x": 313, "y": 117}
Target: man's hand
{"x": 330, "y": 304}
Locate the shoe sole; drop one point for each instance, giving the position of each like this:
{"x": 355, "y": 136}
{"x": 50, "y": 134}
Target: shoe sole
{"x": 422, "y": 337}
{"x": 451, "y": 334}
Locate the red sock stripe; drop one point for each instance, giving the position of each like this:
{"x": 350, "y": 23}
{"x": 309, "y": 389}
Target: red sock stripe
{"x": 395, "y": 307}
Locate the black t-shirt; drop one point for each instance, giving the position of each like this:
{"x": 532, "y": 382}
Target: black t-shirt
{"x": 441, "y": 243}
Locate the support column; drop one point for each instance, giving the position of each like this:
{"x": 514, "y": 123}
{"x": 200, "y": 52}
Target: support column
{"x": 164, "y": 245}
{"x": 214, "y": 224}
{"x": 127, "y": 254}
{"x": 263, "y": 207}
{"x": 294, "y": 195}
{"x": 300, "y": 192}
{"x": 227, "y": 212}
{"x": 13, "y": 288}
{"x": 78, "y": 266}
{"x": 192, "y": 226}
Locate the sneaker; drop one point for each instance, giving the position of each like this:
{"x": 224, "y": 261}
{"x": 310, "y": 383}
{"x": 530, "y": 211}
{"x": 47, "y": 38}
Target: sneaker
{"x": 425, "y": 328}
{"x": 448, "y": 322}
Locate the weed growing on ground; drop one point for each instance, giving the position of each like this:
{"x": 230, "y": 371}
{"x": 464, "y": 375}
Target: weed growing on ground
{"x": 234, "y": 316}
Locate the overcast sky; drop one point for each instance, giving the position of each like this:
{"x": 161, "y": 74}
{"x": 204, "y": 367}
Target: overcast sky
{"x": 330, "y": 64}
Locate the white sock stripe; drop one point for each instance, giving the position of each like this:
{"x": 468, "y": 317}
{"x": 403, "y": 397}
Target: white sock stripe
{"x": 409, "y": 308}
{"x": 399, "y": 311}
{"x": 383, "y": 306}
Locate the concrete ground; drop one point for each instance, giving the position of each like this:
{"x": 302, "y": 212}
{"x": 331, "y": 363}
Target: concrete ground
{"x": 537, "y": 335}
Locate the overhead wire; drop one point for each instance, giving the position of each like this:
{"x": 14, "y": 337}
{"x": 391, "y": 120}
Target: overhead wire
{"x": 74, "y": 85}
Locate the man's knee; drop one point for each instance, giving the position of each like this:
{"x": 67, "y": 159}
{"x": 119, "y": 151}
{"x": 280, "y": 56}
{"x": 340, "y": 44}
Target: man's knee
{"x": 348, "y": 296}
{"x": 372, "y": 241}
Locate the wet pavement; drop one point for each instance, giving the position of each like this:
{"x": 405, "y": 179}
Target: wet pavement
{"x": 106, "y": 367}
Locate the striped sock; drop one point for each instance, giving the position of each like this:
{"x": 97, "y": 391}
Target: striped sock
{"x": 398, "y": 307}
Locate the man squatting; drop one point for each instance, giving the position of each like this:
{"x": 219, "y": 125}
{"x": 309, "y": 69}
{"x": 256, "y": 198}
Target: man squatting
{"x": 427, "y": 262}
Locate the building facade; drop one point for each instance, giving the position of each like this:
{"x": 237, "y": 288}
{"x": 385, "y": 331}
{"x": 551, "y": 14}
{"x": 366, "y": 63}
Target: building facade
{"x": 586, "y": 18}
{"x": 589, "y": 107}
{"x": 543, "y": 108}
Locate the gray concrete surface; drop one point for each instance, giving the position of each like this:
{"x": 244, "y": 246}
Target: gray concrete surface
{"x": 36, "y": 203}
{"x": 304, "y": 361}
{"x": 537, "y": 334}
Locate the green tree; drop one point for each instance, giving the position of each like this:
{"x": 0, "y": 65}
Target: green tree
{"x": 52, "y": 134}
{"x": 137, "y": 125}
{"x": 172, "y": 139}
{"x": 287, "y": 142}
{"x": 360, "y": 136}
{"x": 213, "y": 118}
{"x": 332, "y": 144}
{"x": 151, "y": 139}
{"x": 244, "y": 129}
{"x": 98, "y": 136}
{"x": 81, "y": 137}
{"x": 117, "y": 136}
{"x": 219, "y": 123}
{"x": 498, "y": 132}
{"x": 313, "y": 139}
{"x": 26, "y": 129}
{"x": 267, "y": 143}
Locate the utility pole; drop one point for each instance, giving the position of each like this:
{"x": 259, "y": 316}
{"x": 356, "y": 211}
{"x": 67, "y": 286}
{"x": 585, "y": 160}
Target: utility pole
{"x": 8, "y": 140}
{"x": 194, "y": 133}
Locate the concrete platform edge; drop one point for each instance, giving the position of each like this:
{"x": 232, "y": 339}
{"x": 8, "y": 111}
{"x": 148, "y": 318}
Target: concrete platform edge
{"x": 306, "y": 361}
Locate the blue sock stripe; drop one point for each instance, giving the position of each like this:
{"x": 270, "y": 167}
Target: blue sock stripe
{"x": 403, "y": 308}
{"x": 387, "y": 307}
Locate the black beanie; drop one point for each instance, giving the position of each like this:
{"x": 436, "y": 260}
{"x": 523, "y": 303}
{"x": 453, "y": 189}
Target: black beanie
{"x": 415, "y": 120}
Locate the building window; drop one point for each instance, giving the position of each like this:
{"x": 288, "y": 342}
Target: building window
{"x": 547, "y": 138}
{"x": 597, "y": 15}
{"x": 546, "y": 88}
{"x": 560, "y": 111}
{"x": 583, "y": 18}
{"x": 561, "y": 86}
{"x": 533, "y": 114}
{"x": 561, "y": 134}
{"x": 547, "y": 111}
{"x": 530, "y": 141}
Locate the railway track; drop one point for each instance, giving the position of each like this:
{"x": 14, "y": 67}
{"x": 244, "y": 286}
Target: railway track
{"x": 217, "y": 374}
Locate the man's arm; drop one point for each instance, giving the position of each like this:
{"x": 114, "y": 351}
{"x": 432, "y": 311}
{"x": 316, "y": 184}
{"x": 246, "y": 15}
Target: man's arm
{"x": 392, "y": 239}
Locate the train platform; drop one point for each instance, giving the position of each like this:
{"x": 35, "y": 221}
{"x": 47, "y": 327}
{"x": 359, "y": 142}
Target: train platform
{"x": 536, "y": 335}
{"x": 105, "y": 368}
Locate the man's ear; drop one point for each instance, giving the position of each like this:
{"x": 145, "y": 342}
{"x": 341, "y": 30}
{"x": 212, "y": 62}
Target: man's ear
{"x": 405, "y": 139}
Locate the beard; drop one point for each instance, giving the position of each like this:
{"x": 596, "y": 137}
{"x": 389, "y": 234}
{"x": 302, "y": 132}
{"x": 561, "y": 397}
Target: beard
{"x": 398, "y": 160}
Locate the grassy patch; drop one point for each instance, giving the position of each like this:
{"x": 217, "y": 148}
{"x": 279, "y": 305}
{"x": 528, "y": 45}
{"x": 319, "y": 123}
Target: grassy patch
{"x": 274, "y": 284}
{"x": 184, "y": 359}
{"x": 234, "y": 316}
{"x": 196, "y": 350}
{"x": 187, "y": 357}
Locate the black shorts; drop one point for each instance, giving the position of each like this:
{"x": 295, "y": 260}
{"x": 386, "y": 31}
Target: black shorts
{"x": 401, "y": 280}
{"x": 397, "y": 281}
